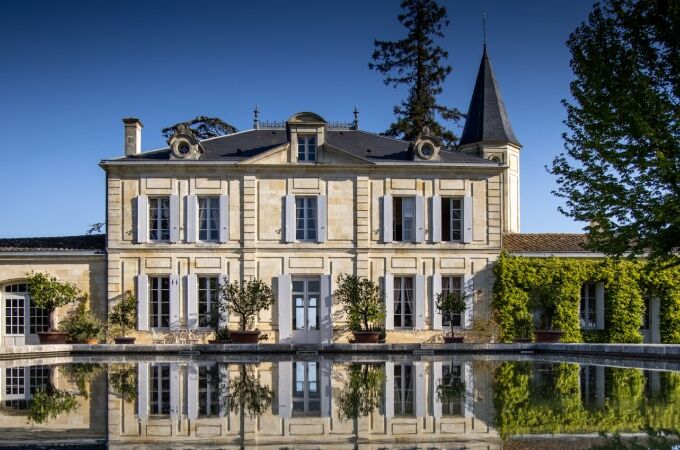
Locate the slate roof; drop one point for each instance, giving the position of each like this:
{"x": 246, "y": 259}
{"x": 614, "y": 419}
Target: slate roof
{"x": 487, "y": 119}
{"x": 59, "y": 243}
{"x": 246, "y": 144}
{"x": 544, "y": 243}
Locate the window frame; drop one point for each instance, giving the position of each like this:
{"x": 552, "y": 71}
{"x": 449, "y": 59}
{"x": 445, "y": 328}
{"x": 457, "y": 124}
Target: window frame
{"x": 212, "y": 234}
{"x": 448, "y": 220}
{"x": 156, "y": 386}
{"x": 589, "y": 295}
{"x": 161, "y": 200}
{"x": 205, "y": 278}
{"x": 459, "y": 374}
{"x": 307, "y": 202}
{"x": 399, "y": 300}
{"x": 14, "y": 324}
{"x": 404, "y": 385}
{"x": 398, "y": 218}
{"x": 445, "y": 286}
{"x": 153, "y": 322}
{"x": 306, "y": 294}
{"x": 307, "y": 147}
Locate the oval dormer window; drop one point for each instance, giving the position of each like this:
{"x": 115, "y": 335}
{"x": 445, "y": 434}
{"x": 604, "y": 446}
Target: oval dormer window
{"x": 184, "y": 148}
{"x": 427, "y": 151}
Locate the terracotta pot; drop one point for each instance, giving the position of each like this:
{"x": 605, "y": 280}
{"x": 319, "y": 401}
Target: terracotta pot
{"x": 522, "y": 340}
{"x": 366, "y": 337}
{"x": 124, "y": 340}
{"x": 548, "y": 335}
{"x": 454, "y": 339}
{"x": 52, "y": 337}
{"x": 218, "y": 341}
{"x": 245, "y": 337}
{"x": 92, "y": 341}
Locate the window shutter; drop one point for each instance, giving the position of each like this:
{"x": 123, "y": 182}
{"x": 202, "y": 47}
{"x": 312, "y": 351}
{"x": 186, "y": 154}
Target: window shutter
{"x": 192, "y": 218}
{"x": 420, "y": 219}
{"x": 326, "y": 325}
{"x": 388, "y": 288}
{"x": 325, "y": 373}
{"x": 285, "y": 390}
{"x": 224, "y": 218}
{"x": 436, "y": 218}
{"x": 192, "y": 301}
{"x": 436, "y": 381}
{"x": 174, "y": 390}
{"x": 467, "y": 220}
{"x": 143, "y": 302}
{"x": 289, "y": 217}
{"x": 223, "y": 369}
{"x": 285, "y": 307}
{"x": 655, "y": 329}
{"x": 420, "y": 302}
{"x": 192, "y": 391}
{"x": 142, "y": 390}
{"x": 174, "y": 218}
{"x": 469, "y": 390}
{"x": 174, "y": 302}
{"x": 223, "y": 319}
{"x": 436, "y": 290}
{"x": 387, "y": 226}
{"x": 321, "y": 219}
{"x": 420, "y": 394}
{"x": 469, "y": 289}
{"x": 599, "y": 305}
{"x": 142, "y": 219}
{"x": 389, "y": 390}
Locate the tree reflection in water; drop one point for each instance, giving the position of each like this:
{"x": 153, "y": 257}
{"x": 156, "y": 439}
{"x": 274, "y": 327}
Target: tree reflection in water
{"x": 246, "y": 394}
{"x": 363, "y": 391}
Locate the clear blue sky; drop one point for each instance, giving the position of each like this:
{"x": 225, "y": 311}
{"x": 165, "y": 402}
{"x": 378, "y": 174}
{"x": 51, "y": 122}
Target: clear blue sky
{"x": 71, "y": 70}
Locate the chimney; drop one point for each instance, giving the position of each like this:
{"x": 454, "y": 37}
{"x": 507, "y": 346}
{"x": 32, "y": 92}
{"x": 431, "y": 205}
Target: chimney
{"x": 133, "y": 136}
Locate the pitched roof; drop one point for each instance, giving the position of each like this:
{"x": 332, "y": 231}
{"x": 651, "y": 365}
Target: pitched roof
{"x": 487, "y": 119}
{"x": 247, "y": 144}
{"x": 544, "y": 242}
{"x": 59, "y": 243}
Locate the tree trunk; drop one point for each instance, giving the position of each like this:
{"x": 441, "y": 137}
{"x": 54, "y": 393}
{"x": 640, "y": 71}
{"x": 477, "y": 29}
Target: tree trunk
{"x": 53, "y": 320}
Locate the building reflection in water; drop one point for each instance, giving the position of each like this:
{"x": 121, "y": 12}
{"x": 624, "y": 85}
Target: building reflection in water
{"x": 475, "y": 404}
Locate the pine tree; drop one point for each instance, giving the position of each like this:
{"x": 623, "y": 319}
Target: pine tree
{"x": 203, "y": 127}
{"x": 621, "y": 170}
{"x": 417, "y": 62}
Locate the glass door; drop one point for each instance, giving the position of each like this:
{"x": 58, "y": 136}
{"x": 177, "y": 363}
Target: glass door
{"x": 306, "y": 295}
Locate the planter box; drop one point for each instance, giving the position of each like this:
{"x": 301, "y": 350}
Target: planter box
{"x": 52, "y": 337}
{"x": 124, "y": 340}
{"x": 548, "y": 335}
{"x": 245, "y": 337}
{"x": 218, "y": 341}
{"x": 366, "y": 337}
{"x": 454, "y": 339}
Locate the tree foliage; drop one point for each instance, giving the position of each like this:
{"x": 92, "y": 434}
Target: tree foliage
{"x": 245, "y": 299}
{"x": 203, "y": 127}
{"x": 450, "y": 304}
{"x": 621, "y": 170}
{"x": 49, "y": 293}
{"x": 80, "y": 324}
{"x": 123, "y": 316}
{"x": 417, "y": 61}
{"x": 362, "y": 392}
{"x": 363, "y": 301}
{"x": 247, "y": 394}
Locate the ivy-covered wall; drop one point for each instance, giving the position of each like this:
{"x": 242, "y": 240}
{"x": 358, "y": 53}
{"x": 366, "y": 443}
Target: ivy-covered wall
{"x": 555, "y": 403}
{"x": 558, "y": 281}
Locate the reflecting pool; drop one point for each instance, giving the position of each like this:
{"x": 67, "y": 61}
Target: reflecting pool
{"x": 340, "y": 402}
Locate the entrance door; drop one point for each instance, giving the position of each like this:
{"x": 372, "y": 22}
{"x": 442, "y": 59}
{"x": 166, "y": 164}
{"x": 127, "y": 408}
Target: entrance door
{"x": 306, "y": 389}
{"x": 306, "y": 295}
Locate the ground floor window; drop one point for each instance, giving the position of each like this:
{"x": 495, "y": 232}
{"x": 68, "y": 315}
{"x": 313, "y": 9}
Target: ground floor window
{"x": 159, "y": 387}
{"x": 588, "y": 305}
{"x": 306, "y": 392}
{"x": 209, "y": 391}
{"x": 452, "y": 285}
{"x": 452, "y": 375}
{"x": 39, "y": 320}
{"x": 645, "y": 325}
{"x": 15, "y": 310}
{"x": 208, "y": 299}
{"x": 403, "y": 302}
{"x": 159, "y": 302}
{"x": 403, "y": 389}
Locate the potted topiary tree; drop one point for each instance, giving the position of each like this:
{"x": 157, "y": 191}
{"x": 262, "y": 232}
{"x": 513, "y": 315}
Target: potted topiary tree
{"x": 450, "y": 305}
{"x": 123, "y": 381}
{"x": 48, "y": 293}
{"x": 450, "y": 389}
{"x": 247, "y": 394}
{"x": 245, "y": 299}
{"x": 122, "y": 318}
{"x": 80, "y": 325}
{"x": 362, "y": 392}
{"x": 364, "y": 305}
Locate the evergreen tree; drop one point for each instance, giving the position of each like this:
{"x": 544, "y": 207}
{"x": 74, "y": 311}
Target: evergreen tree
{"x": 621, "y": 171}
{"x": 203, "y": 127}
{"x": 417, "y": 62}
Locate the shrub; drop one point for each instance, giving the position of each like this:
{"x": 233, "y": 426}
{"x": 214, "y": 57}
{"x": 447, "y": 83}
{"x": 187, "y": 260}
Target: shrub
{"x": 80, "y": 324}
{"x": 245, "y": 299}
{"x": 363, "y": 302}
{"x": 123, "y": 316}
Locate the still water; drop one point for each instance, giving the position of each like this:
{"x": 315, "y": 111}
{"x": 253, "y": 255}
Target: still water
{"x": 382, "y": 402}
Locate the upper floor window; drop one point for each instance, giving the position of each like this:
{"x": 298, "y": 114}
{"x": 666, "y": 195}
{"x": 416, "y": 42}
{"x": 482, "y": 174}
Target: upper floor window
{"x": 305, "y": 218}
{"x": 588, "y": 305}
{"x": 306, "y": 148}
{"x": 159, "y": 302}
{"x": 208, "y": 218}
{"x": 452, "y": 219}
{"x": 403, "y": 218}
{"x": 159, "y": 219}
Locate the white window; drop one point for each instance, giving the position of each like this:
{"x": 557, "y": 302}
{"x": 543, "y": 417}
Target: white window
{"x": 306, "y": 390}
{"x": 15, "y": 381}
{"x": 403, "y": 302}
{"x": 403, "y": 218}
{"x": 306, "y": 293}
{"x": 645, "y": 325}
{"x": 159, "y": 389}
{"x": 305, "y": 218}
{"x": 208, "y": 218}
{"x": 159, "y": 302}
{"x": 452, "y": 375}
{"x": 39, "y": 320}
{"x": 15, "y": 310}
{"x": 452, "y": 219}
{"x": 306, "y": 148}
{"x": 159, "y": 219}
{"x": 403, "y": 389}
{"x": 452, "y": 285}
{"x": 589, "y": 306}
{"x": 208, "y": 295}
{"x": 208, "y": 391}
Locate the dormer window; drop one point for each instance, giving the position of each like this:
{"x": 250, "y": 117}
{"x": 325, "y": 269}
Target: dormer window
{"x": 306, "y": 148}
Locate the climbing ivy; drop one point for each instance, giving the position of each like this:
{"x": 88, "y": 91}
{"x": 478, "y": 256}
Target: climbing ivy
{"x": 626, "y": 282}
